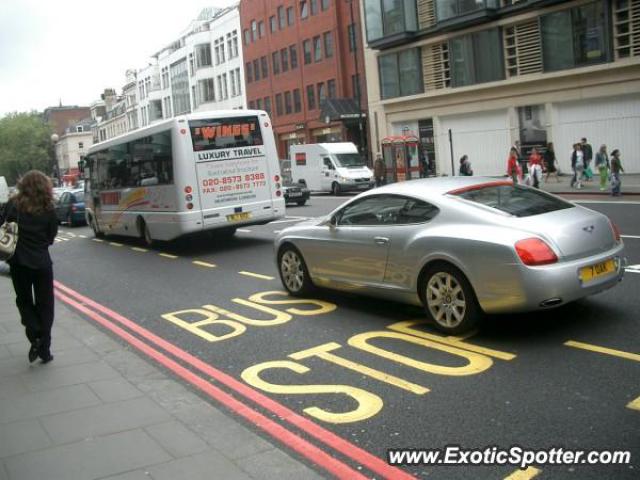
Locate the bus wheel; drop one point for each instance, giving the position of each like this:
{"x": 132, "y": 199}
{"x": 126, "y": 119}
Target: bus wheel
{"x": 94, "y": 226}
{"x": 335, "y": 188}
{"x": 145, "y": 234}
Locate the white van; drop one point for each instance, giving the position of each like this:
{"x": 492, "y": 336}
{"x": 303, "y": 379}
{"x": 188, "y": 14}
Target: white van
{"x": 4, "y": 191}
{"x": 330, "y": 167}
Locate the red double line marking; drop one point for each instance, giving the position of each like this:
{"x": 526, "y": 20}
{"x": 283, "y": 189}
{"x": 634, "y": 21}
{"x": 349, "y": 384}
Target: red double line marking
{"x": 98, "y": 313}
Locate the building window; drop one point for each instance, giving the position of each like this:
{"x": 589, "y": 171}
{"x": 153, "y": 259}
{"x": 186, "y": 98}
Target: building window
{"x": 225, "y": 89}
{"x": 232, "y": 80}
{"x": 322, "y": 94}
{"x": 279, "y": 104}
{"x": 194, "y": 99}
{"x": 256, "y": 69}
{"x": 297, "y": 101}
{"x": 287, "y": 103}
{"x": 259, "y": 104}
{"x": 574, "y": 37}
{"x": 247, "y": 36}
{"x": 311, "y": 97}
{"x": 282, "y": 19}
{"x": 475, "y": 58}
{"x": 267, "y": 105}
{"x": 275, "y": 60}
{"x": 388, "y": 17}
{"x": 446, "y": 9}
{"x": 192, "y": 67}
{"x": 351, "y": 33}
{"x": 328, "y": 44}
{"x": 291, "y": 16}
{"x": 206, "y": 91}
{"x": 284, "y": 53}
{"x": 203, "y": 55}
{"x": 306, "y": 49}
{"x": 406, "y": 65}
{"x": 355, "y": 86}
{"x": 249, "y": 73}
{"x": 261, "y": 30}
{"x": 232, "y": 44}
{"x": 252, "y": 105}
{"x": 304, "y": 9}
{"x": 324, "y": 4}
{"x": 179, "y": 75}
{"x": 331, "y": 88}
{"x": 79, "y": 129}
{"x": 317, "y": 49}
{"x": 265, "y": 67}
{"x": 238, "y": 82}
{"x": 273, "y": 26}
{"x": 80, "y": 145}
{"x": 165, "y": 77}
{"x": 254, "y": 30}
{"x": 293, "y": 56}
{"x": 313, "y": 6}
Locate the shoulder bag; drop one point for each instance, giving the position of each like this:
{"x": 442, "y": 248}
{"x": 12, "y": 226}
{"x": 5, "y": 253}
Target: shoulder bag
{"x": 8, "y": 239}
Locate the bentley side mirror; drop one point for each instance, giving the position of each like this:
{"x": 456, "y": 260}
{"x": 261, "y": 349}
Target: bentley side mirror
{"x": 333, "y": 221}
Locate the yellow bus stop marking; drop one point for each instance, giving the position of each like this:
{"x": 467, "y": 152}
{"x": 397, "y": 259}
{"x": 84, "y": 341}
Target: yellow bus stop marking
{"x": 115, "y": 244}
{"x": 530, "y": 472}
{"x": 138, "y": 249}
{"x": 167, "y": 255}
{"x": 97, "y": 240}
{"x": 607, "y": 351}
{"x": 203, "y": 264}
{"x": 82, "y": 236}
{"x": 256, "y": 275}
{"x": 635, "y": 404}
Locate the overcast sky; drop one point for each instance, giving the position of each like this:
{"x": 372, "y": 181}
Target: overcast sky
{"x": 71, "y": 50}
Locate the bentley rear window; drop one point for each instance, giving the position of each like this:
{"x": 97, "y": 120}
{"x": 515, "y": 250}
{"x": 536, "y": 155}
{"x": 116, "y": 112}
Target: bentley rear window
{"x": 513, "y": 199}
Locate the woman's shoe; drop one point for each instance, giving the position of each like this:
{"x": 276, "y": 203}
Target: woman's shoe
{"x": 34, "y": 351}
{"x": 46, "y": 358}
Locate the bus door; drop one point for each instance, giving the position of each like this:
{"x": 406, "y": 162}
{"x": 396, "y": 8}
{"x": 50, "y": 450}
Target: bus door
{"x": 231, "y": 168}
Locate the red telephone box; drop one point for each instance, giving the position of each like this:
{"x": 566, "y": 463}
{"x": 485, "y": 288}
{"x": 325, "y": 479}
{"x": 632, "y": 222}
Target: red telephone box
{"x": 401, "y": 157}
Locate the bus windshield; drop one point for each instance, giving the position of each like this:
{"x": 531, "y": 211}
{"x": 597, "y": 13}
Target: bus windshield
{"x": 349, "y": 160}
{"x": 219, "y": 133}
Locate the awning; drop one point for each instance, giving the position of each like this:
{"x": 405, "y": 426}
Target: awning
{"x": 340, "y": 109}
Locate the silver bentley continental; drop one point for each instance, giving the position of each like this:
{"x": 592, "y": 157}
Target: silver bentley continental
{"x": 460, "y": 247}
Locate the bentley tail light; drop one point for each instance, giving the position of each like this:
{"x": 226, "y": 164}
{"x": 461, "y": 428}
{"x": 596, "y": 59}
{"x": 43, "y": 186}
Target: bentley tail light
{"x": 534, "y": 251}
{"x": 616, "y": 231}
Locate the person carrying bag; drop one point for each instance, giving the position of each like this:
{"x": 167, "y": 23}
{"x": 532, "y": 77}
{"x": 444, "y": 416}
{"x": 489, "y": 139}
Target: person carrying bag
{"x": 31, "y": 212}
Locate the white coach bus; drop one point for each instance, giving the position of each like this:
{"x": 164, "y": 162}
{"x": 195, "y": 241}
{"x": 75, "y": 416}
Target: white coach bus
{"x": 196, "y": 172}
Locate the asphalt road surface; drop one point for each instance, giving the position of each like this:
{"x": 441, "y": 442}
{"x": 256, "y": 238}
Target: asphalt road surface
{"x": 367, "y": 375}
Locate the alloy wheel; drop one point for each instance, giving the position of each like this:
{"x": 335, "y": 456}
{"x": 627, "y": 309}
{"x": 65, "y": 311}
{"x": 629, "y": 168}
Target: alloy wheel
{"x": 292, "y": 271}
{"x": 445, "y": 299}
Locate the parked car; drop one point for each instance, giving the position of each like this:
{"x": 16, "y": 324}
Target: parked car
{"x": 295, "y": 193}
{"x": 459, "y": 246}
{"x": 70, "y": 208}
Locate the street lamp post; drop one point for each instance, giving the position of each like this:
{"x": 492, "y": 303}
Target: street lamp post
{"x": 357, "y": 92}
{"x": 56, "y": 165}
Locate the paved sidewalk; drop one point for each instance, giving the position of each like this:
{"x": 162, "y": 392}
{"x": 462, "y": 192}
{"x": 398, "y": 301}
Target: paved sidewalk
{"x": 100, "y": 411}
{"x": 630, "y": 186}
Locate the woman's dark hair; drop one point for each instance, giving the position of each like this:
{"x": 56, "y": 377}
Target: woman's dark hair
{"x": 463, "y": 158}
{"x": 35, "y": 193}
{"x": 550, "y": 145}
{"x": 615, "y": 153}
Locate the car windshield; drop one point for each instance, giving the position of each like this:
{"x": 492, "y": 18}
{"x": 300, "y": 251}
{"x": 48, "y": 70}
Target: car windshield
{"x": 349, "y": 160}
{"x": 515, "y": 200}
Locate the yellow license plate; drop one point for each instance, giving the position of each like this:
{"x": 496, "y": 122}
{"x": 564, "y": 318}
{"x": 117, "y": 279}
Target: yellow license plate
{"x": 598, "y": 270}
{"x": 238, "y": 217}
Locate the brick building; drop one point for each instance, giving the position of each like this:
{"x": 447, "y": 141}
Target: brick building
{"x": 64, "y": 116}
{"x": 301, "y": 67}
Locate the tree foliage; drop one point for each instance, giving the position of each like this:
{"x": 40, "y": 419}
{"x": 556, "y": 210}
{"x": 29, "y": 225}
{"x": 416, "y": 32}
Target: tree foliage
{"x": 25, "y": 144}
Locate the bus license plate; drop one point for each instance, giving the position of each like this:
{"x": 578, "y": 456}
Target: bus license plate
{"x": 238, "y": 217}
{"x": 592, "y": 272}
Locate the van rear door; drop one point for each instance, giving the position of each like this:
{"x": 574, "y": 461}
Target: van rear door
{"x": 231, "y": 167}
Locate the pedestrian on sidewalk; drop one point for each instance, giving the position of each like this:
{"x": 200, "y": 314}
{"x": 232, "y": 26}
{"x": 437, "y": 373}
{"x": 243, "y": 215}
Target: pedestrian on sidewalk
{"x": 550, "y": 162}
{"x": 616, "y": 170}
{"x": 588, "y": 156}
{"x": 31, "y": 267}
{"x": 513, "y": 169}
{"x": 602, "y": 164}
{"x": 535, "y": 167}
{"x": 577, "y": 164}
{"x": 522, "y": 161}
{"x": 465, "y": 167}
{"x": 379, "y": 170}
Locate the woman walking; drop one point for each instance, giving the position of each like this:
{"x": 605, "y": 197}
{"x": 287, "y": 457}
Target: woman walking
{"x": 465, "y": 167}
{"x": 550, "y": 162}
{"x": 513, "y": 169}
{"x": 577, "y": 164}
{"x": 602, "y": 164}
{"x": 535, "y": 167}
{"x": 616, "y": 169}
{"x": 31, "y": 267}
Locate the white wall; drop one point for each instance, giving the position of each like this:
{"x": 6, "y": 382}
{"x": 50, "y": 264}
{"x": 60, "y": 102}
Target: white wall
{"x": 483, "y": 136}
{"x": 613, "y": 121}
